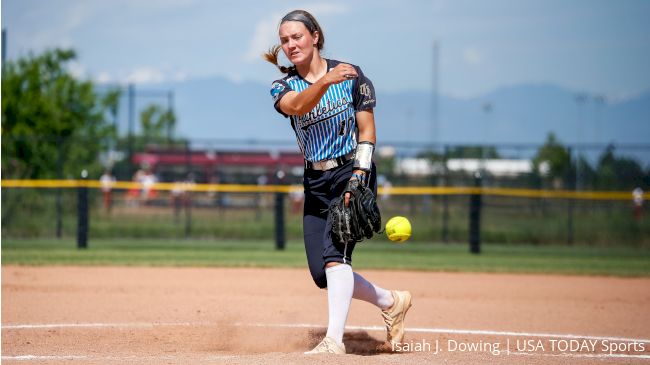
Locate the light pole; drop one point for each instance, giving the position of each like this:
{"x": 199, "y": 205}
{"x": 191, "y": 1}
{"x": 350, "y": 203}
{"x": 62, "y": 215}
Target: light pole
{"x": 4, "y": 46}
{"x": 434, "y": 106}
{"x": 132, "y": 94}
{"x": 580, "y": 99}
{"x": 487, "y": 109}
{"x": 599, "y": 101}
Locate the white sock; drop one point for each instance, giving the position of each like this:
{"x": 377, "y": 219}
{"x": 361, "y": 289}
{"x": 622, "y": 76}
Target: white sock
{"x": 366, "y": 291}
{"x": 340, "y": 285}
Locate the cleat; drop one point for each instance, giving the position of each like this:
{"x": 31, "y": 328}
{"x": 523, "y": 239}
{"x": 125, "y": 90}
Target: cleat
{"x": 394, "y": 316}
{"x": 327, "y": 346}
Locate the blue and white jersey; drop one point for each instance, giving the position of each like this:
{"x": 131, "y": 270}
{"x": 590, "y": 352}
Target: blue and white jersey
{"x": 330, "y": 129}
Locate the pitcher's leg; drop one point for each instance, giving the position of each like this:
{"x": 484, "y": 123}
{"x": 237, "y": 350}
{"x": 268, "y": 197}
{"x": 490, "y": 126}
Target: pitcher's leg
{"x": 339, "y": 295}
{"x": 371, "y": 293}
{"x": 314, "y": 230}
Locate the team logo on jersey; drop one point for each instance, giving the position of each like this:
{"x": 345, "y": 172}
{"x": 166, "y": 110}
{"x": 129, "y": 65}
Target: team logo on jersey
{"x": 364, "y": 89}
{"x": 276, "y": 89}
{"x": 322, "y": 113}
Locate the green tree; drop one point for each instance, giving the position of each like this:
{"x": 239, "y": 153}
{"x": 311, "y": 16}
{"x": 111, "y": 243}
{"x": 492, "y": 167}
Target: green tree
{"x": 474, "y": 152}
{"x": 50, "y": 119}
{"x": 586, "y": 172}
{"x": 431, "y": 155}
{"x": 618, "y": 172}
{"x": 111, "y": 103}
{"x": 553, "y": 161}
{"x": 157, "y": 124}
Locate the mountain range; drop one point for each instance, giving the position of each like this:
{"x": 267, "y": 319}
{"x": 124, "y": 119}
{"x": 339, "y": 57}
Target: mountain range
{"x": 217, "y": 108}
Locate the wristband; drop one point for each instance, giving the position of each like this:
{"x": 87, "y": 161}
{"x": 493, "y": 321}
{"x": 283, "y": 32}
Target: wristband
{"x": 360, "y": 177}
{"x": 363, "y": 156}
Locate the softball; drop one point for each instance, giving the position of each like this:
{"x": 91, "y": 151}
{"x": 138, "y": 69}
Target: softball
{"x": 398, "y": 229}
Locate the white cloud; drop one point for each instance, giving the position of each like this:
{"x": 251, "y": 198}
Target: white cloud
{"x": 145, "y": 75}
{"x": 103, "y": 78}
{"x": 142, "y": 75}
{"x": 77, "y": 70}
{"x": 235, "y": 77}
{"x": 265, "y": 34}
{"x": 472, "y": 56}
{"x": 179, "y": 76}
{"x": 264, "y": 37}
{"x": 61, "y": 25}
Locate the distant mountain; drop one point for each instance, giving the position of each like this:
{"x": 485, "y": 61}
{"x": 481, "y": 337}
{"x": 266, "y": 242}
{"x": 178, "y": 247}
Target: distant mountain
{"x": 517, "y": 114}
{"x": 215, "y": 108}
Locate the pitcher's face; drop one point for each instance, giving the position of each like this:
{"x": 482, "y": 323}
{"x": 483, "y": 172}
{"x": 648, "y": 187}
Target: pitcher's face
{"x": 297, "y": 42}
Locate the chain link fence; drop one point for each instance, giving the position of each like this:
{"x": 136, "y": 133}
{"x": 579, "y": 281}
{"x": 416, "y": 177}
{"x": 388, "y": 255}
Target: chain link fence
{"x": 174, "y": 212}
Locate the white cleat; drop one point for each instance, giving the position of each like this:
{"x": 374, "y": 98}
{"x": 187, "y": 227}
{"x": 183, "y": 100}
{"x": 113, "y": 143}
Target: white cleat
{"x": 327, "y": 346}
{"x": 394, "y": 316}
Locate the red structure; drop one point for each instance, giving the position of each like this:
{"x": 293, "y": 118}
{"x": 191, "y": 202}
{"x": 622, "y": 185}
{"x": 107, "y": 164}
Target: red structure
{"x": 206, "y": 166}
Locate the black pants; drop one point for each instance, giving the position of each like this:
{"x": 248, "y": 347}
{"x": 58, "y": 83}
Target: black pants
{"x": 321, "y": 187}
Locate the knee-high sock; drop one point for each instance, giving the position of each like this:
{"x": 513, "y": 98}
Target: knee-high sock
{"x": 340, "y": 285}
{"x": 367, "y": 291}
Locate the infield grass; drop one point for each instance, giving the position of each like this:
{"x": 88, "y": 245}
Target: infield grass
{"x": 377, "y": 254}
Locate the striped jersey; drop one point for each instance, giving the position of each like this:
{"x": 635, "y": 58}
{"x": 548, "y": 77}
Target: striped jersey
{"x": 330, "y": 129}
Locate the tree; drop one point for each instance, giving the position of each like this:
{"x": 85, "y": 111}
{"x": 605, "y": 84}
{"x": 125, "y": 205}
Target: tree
{"x": 474, "y": 152}
{"x": 618, "y": 172}
{"x": 431, "y": 155}
{"x": 157, "y": 124}
{"x": 553, "y": 161}
{"x": 111, "y": 102}
{"x": 52, "y": 123}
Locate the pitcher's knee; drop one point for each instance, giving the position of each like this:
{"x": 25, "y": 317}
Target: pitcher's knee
{"x": 320, "y": 279}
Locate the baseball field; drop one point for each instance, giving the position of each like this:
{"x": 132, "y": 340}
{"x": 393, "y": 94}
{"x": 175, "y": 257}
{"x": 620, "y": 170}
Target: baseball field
{"x": 241, "y": 302}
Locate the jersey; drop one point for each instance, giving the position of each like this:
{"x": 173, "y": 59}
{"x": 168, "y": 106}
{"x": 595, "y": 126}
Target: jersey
{"x": 330, "y": 129}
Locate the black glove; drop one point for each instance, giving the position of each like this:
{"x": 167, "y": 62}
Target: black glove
{"x": 359, "y": 219}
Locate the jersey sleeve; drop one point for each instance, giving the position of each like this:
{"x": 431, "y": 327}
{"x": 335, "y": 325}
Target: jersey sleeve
{"x": 363, "y": 94}
{"x": 278, "y": 89}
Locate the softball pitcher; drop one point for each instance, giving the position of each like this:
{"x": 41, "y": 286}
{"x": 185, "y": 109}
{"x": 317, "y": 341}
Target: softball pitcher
{"x": 330, "y": 106}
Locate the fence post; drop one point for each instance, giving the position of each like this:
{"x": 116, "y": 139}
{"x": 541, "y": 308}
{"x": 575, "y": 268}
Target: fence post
{"x": 59, "y": 175}
{"x": 188, "y": 212}
{"x": 445, "y": 199}
{"x": 82, "y": 212}
{"x": 131, "y": 128}
{"x": 475, "y": 203}
{"x": 188, "y": 193}
{"x": 571, "y": 182}
{"x": 280, "y": 237}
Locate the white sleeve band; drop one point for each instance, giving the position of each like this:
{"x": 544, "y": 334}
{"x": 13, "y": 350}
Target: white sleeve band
{"x": 363, "y": 156}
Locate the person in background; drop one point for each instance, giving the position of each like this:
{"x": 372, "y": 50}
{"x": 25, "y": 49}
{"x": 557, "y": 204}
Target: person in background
{"x": 637, "y": 199}
{"x": 107, "y": 180}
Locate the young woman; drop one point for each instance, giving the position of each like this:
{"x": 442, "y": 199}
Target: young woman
{"x": 330, "y": 105}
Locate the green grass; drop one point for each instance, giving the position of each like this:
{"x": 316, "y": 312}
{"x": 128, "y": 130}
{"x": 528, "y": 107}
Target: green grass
{"x": 377, "y": 254}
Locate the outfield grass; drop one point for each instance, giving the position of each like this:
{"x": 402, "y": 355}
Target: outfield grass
{"x": 577, "y": 260}
{"x": 31, "y": 213}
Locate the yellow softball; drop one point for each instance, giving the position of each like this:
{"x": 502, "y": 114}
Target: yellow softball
{"x": 398, "y": 229}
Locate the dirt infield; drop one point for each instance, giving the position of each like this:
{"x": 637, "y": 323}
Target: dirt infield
{"x": 128, "y": 315}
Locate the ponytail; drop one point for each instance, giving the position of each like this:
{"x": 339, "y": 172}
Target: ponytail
{"x": 272, "y": 56}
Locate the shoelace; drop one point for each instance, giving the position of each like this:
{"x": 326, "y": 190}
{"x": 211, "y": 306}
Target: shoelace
{"x": 388, "y": 320}
{"x": 326, "y": 345}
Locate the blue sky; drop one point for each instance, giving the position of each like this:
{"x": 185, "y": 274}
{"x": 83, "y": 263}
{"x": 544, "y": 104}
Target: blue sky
{"x": 595, "y": 46}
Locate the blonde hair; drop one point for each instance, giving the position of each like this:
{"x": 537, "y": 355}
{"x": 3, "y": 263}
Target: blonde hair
{"x": 312, "y": 26}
